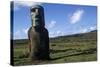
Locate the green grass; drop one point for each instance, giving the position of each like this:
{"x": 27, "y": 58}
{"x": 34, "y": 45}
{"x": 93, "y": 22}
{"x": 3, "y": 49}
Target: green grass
{"x": 60, "y": 53}
{"x": 62, "y": 50}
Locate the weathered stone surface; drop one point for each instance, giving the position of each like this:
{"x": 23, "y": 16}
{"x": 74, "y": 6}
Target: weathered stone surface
{"x": 38, "y": 35}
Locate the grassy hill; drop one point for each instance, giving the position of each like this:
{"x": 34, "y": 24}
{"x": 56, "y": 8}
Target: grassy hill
{"x": 76, "y": 37}
{"x": 71, "y": 48}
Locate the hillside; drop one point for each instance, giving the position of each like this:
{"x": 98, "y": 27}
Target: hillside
{"x": 81, "y": 36}
{"x": 63, "y": 49}
{"x": 76, "y": 37}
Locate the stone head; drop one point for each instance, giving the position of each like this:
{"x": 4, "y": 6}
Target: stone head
{"x": 37, "y": 16}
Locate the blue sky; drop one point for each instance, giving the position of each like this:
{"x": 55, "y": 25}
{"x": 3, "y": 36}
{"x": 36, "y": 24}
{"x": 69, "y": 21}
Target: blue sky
{"x": 60, "y": 19}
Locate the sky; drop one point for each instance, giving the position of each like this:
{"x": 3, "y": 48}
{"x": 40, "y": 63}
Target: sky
{"x": 60, "y": 19}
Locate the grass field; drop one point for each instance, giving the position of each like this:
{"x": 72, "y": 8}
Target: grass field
{"x": 63, "y": 49}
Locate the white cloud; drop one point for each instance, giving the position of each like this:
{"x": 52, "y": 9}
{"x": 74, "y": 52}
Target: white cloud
{"x": 59, "y": 32}
{"x": 51, "y": 34}
{"x": 17, "y": 4}
{"x": 25, "y": 30}
{"x": 56, "y": 33}
{"x": 93, "y": 28}
{"x": 21, "y": 33}
{"x": 27, "y": 3}
{"x": 16, "y": 7}
{"x": 51, "y": 24}
{"x": 76, "y": 16}
{"x": 17, "y": 32}
{"x": 84, "y": 30}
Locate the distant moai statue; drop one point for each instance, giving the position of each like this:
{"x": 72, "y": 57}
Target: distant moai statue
{"x": 38, "y": 35}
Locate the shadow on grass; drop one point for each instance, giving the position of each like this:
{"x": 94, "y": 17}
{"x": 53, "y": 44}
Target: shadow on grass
{"x": 57, "y": 51}
{"x": 84, "y": 52}
{"x": 78, "y": 52}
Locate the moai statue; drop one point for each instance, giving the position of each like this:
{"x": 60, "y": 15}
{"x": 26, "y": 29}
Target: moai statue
{"x": 38, "y": 35}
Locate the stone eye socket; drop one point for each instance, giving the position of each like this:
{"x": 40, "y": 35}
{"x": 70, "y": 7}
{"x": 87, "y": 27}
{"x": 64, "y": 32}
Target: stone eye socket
{"x": 36, "y": 11}
{"x": 32, "y": 10}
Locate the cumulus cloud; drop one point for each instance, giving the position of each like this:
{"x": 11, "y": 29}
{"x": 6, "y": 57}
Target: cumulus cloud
{"x": 76, "y": 16}
{"x": 81, "y": 30}
{"x": 17, "y": 4}
{"x": 93, "y": 28}
{"x": 17, "y": 32}
{"x": 21, "y": 33}
{"x": 16, "y": 7}
{"x": 56, "y": 33}
{"x": 84, "y": 30}
{"x": 25, "y": 30}
{"x": 59, "y": 33}
{"x": 51, "y": 24}
{"x": 27, "y": 3}
{"x": 51, "y": 34}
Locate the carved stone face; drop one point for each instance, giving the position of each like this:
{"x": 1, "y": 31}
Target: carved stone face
{"x": 37, "y": 15}
{"x": 35, "y": 18}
